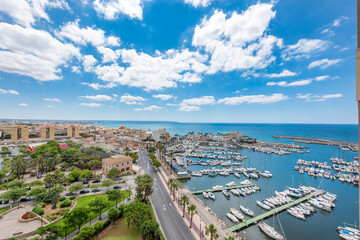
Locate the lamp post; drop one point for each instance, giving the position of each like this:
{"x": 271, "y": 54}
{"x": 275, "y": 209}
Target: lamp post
{"x": 200, "y": 230}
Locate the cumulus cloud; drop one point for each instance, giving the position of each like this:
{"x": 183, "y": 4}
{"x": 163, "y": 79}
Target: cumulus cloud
{"x": 163, "y": 97}
{"x": 304, "y": 48}
{"x": 198, "y": 3}
{"x": 112, "y": 8}
{"x": 83, "y": 36}
{"x": 284, "y": 73}
{"x": 318, "y": 98}
{"x": 204, "y": 100}
{"x": 98, "y": 97}
{"x": 26, "y": 12}
{"x": 23, "y": 104}
{"x": 129, "y": 99}
{"x": 276, "y": 97}
{"x": 2, "y": 91}
{"x": 34, "y": 53}
{"x": 94, "y": 105}
{"x": 324, "y": 63}
{"x": 237, "y": 41}
{"x": 50, "y": 106}
{"x": 189, "y": 108}
{"x": 290, "y": 84}
{"x": 150, "y": 108}
{"x": 321, "y": 78}
{"x": 76, "y": 69}
{"x": 52, "y": 100}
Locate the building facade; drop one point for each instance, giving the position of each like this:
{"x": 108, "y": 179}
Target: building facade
{"x": 121, "y": 162}
{"x": 20, "y": 133}
{"x": 161, "y": 135}
{"x": 47, "y": 132}
{"x": 73, "y": 131}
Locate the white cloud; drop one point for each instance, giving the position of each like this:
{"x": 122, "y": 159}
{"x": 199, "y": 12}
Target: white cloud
{"x": 189, "y": 108}
{"x": 290, "y": 84}
{"x": 52, "y": 100}
{"x": 76, "y": 69}
{"x": 284, "y": 73}
{"x": 98, "y": 97}
{"x": 198, "y": 3}
{"x": 83, "y": 36}
{"x": 91, "y": 104}
{"x": 88, "y": 62}
{"x": 2, "y": 91}
{"x": 129, "y": 99}
{"x": 112, "y": 8}
{"x": 318, "y": 98}
{"x": 108, "y": 54}
{"x": 238, "y": 41}
{"x": 321, "y": 78}
{"x": 276, "y": 97}
{"x": 205, "y": 100}
{"x": 304, "y": 48}
{"x": 26, "y": 12}
{"x": 163, "y": 97}
{"x": 34, "y": 53}
{"x": 150, "y": 108}
{"x": 23, "y": 104}
{"x": 336, "y": 23}
{"x": 324, "y": 63}
{"x": 172, "y": 104}
{"x": 50, "y": 106}
{"x": 98, "y": 86}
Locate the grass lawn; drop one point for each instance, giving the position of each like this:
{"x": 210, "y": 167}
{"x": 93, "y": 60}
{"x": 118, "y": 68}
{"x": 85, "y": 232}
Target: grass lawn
{"x": 122, "y": 232}
{"x": 84, "y": 202}
{"x": 5, "y": 209}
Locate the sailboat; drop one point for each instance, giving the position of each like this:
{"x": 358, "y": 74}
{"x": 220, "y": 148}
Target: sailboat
{"x": 270, "y": 231}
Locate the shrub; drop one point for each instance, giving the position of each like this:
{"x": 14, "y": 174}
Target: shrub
{"x": 28, "y": 215}
{"x": 98, "y": 226}
{"x": 62, "y": 199}
{"x": 38, "y": 211}
{"x": 41, "y": 204}
{"x": 72, "y": 197}
{"x": 87, "y": 233}
{"x": 65, "y": 203}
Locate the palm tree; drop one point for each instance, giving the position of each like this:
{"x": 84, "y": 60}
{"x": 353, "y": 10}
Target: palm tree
{"x": 212, "y": 230}
{"x": 170, "y": 184}
{"x": 175, "y": 187}
{"x": 184, "y": 200}
{"x": 191, "y": 211}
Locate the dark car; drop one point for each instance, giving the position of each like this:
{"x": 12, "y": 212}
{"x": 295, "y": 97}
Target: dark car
{"x": 116, "y": 187}
{"x": 96, "y": 181}
{"x": 64, "y": 184}
{"x": 6, "y": 201}
{"x": 85, "y": 182}
{"x": 70, "y": 193}
{"x": 23, "y": 199}
{"x": 1, "y": 201}
{"x": 49, "y": 186}
{"x": 27, "y": 188}
{"x": 96, "y": 190}
{"x": 84, "y": 191}
{"x": 28, "y": 198}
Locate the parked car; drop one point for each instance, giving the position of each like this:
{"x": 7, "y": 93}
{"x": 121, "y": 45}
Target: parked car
{"x": 85, "y": 182}
{"x": 84, "y": 191}
{"x": 27, "y": 188}
{"x": 23, "y": 199}
{"x": 96, "y": 190}
{"x": 116, "y": 187}
{"x": 96, "y": 181}
{"x": 49, "y": 186}
{"x": 1, "y": 201}
{"x": 6, "y": 201}
{"x": 70, "y": 194}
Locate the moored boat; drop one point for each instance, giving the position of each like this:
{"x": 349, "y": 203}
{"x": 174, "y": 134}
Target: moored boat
{"x": 270, "y": 231}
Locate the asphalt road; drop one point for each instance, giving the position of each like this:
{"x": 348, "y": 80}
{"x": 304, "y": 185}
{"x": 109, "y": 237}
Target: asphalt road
{"x": 172, "y": 223}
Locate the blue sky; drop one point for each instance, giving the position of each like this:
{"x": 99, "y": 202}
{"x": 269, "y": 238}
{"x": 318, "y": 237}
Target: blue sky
{"x": 285, "y": 61}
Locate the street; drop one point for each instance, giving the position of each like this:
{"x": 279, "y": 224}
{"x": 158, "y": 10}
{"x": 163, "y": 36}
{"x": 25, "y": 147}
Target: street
{"x": 172, "y": 224}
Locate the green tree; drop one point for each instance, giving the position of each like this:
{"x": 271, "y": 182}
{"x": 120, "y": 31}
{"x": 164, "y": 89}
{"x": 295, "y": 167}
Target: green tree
{"x": 113, "y": 173}
{"x": 56, "y": 179}
{"x": 14, "y": 194}
{"x": 87, "y": 233}
{"x": 98, "y": 227}
{"x": 86, "y": 174}
{"x": 77, "y": 217}
{"x": 113, "y": 214}
{"x": 19, "y": 166}
{"x": 136, "y": 213}
{"x": 107, "y": 183}
{"x": 2, "y": 174}
{"x": 75, "y": 187}
{"x": 229, "y": 238}
{"x": 184, "y": 201}
{"x": 76, "y": 173}
{"x": 151, "y": 149}
{"x": 49, "y": 232}
{"x": 143, "y": 187}
{"x": 212, "y": 231}
{"x": 156, "y": 164}
{"x": 150, "y": 230}
{"x": 191, "y": 211}
{"x": 115, "y": 195}
{"x": 98, "y": 204}
{"x": 173, "y": 186}
{"x": 93, "y": 164}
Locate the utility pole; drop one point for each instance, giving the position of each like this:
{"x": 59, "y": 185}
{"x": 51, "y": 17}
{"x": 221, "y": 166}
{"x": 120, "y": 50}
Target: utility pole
{"x": 358, "y": 74}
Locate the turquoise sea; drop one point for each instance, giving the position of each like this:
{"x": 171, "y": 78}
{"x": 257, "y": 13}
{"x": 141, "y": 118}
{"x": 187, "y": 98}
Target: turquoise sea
{"x": 321, "y": 225}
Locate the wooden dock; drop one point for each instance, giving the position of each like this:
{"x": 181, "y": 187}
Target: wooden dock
{"x": 223, "y": 188}
{"x": 272, "y": 212}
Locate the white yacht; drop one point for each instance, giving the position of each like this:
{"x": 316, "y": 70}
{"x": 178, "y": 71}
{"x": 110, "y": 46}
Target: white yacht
{"x": 206, "y": 195}
{"x": 226, "y": 193}
{"x": 270, "y": 231}
{"x": 232, "y": 218}
{"x": 263, "y": 205}
{"x": 196, "y": 174}
{"x": 237, "y": 175}
{"x": 235, "y": 192}
{"x": 211, "y": 195}
{"x": 246, "y": 210}
{"x": 237, "y": 214}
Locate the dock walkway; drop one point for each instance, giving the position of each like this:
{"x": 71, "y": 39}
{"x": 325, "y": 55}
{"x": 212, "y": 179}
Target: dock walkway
{"x": 223, "y": 188}
{"x": 274, "y": 211}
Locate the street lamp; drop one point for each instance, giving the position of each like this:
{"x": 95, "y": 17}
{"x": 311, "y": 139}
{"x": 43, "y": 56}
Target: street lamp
{"x": 200, "y": 230}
